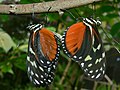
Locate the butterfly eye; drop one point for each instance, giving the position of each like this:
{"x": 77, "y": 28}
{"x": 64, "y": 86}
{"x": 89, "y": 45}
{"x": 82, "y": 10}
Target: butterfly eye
{"x": 43, "y": 52}
{"x": 83, "y": 43}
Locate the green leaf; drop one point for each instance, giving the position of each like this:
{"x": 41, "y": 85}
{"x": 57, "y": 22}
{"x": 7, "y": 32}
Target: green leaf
{"x": 51, "y": 28}
{"x": 1, "y": 1}
{"x": 52, "y": 17}
{"x": 106, "y": 8}
{"x": 102, "y": 87}
{"x": 115, "y": 15}
{"x": 4, "y": 18}
{"x": 7, "y": 68}
{"x": 115, "y": 28}
{"x": 21, "y": 62}
{"x": 23, "y": 48}
{"x": 6, "y": 41}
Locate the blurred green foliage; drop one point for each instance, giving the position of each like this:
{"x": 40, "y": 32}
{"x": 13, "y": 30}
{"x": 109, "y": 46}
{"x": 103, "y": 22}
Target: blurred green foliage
{"x": 14, "y": 38}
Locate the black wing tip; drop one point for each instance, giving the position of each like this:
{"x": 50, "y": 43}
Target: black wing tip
{"x": 34, "y": 27}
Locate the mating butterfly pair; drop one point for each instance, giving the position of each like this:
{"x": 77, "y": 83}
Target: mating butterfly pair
{"x": 81, "y": 42}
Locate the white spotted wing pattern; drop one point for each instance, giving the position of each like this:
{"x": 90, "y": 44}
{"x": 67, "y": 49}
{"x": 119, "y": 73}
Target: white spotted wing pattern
{"x": 43, "y": 52}
{"x": 82, "y": 43}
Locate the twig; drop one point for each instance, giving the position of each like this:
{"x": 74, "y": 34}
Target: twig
{"x": 95, "y": 85}
{"x": 108, "y": 79}
{"x": 65, "y": 72}
{"x": 111, "y": 83}
{"x": 101, "y": 82}
{"x": 43, "y": 7}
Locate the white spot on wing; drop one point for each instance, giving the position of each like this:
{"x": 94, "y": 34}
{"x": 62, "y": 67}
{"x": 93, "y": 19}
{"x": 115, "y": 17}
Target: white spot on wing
{"x": 28, "y": 58}
{"x": 93, "y": 76}
{"x": 32, "y": 72}
{"x": 98, "y": 75}
{"x": 103, "y": 71}
{"x": 80, "y": 57}
{"x": 82, "y": 64}
{"x": 94, "y": 49}
{"x": 30, "y": 49}
{"x": 101, "y": 68}
{"x": 85, "y": 69}
{"x": 41, "y": 76}
{"x": 103, "y": 54}
{"x": 49, "y": 80}
{"x": 96, "y": 70}
{"x": 98, "y": 60}
{"x": 104, "y": 64}
{"x": 54, "y": 66}
{"x": 91, "y": 71}
{"x": 63, "y": 47}
{"x": 62, "y": 41}
{"x": 98, "y": 47}
{"x": 41, "y": 61}
{"x": 30, "y": 78}
{"x": 34, "y": 63}
{"x": 48, "y": 69}
{"x": 74, "y": 56}
{"x": 88, "y": 58}
{"x": 48, "y": 62}
{"x": 36, "y": 75}
{"x": 88, "y": 74}
{"x": 41, "y": 68}
{"x": 36, "y": 81}
{"x": 89, "y": 65}
{"x": 28, "y": 69}
{"x": 44, "y": 79}
{"x": 41, "y": 81}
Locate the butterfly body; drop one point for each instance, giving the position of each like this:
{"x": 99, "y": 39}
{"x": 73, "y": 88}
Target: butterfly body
{"x": 82, "y": 43}
{"x": 43, "y": 52}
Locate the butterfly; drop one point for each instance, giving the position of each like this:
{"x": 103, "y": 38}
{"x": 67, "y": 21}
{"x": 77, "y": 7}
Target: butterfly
{"x": 82, "y": 42}
{"x": 42, "y": 58}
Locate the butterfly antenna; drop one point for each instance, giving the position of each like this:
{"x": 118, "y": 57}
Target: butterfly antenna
{"x": 78, "y": 13}
{"x": 64, "y": 10}
{"x": 110, "y": 37}
{"x": 46, "y": 18}
{"x": 94, "y": 9}
{"x": 33, "y": 15}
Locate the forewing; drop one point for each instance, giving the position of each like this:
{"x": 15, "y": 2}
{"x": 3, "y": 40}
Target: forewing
{"x": 75, "y": 41}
